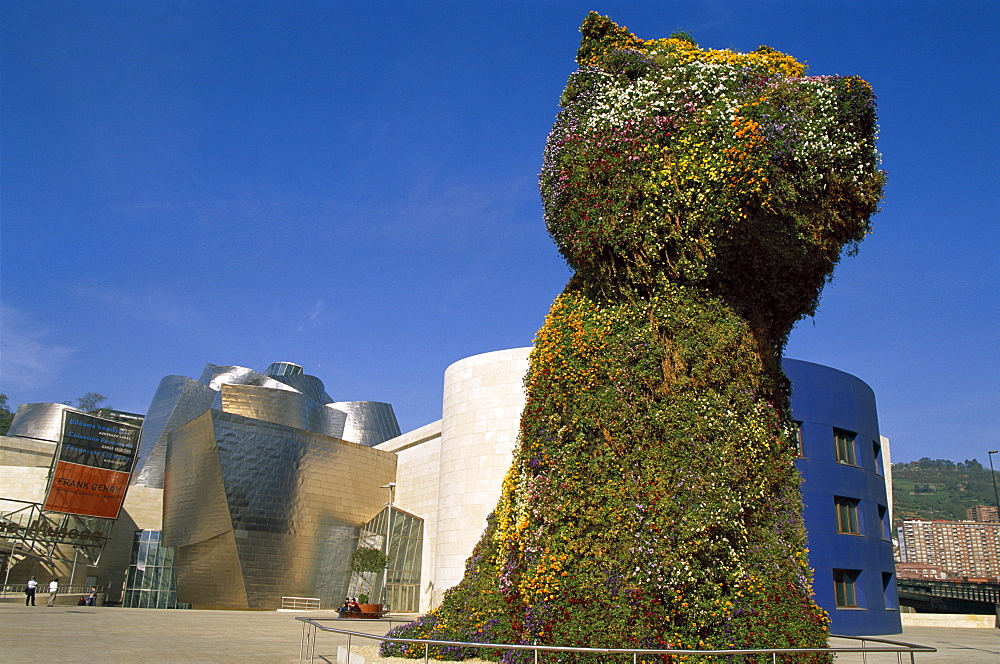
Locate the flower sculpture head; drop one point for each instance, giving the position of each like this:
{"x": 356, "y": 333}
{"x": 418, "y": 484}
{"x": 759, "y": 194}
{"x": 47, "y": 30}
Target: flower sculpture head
{"x": 669, "y": 163}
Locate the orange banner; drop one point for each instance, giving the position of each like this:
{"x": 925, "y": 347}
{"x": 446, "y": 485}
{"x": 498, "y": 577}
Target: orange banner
{"x": 86, "y": 490}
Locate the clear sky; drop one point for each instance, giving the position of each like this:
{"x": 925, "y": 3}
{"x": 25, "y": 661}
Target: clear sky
{"x": 351, "y": 186}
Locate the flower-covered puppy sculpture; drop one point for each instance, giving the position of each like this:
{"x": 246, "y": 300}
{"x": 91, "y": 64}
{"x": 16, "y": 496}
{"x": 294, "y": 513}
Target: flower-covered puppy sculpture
{"x": 702, "y": 199}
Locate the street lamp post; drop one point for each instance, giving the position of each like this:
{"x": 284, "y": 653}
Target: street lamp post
{"x": 385, "y": 543}
{"x": 993, "y": 474}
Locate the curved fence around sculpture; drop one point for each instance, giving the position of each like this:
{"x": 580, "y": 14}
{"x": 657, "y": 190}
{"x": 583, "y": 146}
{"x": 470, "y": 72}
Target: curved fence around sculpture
{"x": 310, "y": 627}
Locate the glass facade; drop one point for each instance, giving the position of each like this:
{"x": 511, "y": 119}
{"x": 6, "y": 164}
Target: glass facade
{"x": 149, "y": 580}
{"x": 283, "y": 369}
{"x": 402, "y": 588}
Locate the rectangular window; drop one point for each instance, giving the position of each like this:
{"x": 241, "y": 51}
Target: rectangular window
{"x": 883, "y": 517}
{"x": 844, "y": 581}
{"x": 845, "y": 447}
{"x": 798, "y": 437}
{"x": 877, "y": 450}
{"x": 889, "y": 591}
{"x": 847, "y": 515}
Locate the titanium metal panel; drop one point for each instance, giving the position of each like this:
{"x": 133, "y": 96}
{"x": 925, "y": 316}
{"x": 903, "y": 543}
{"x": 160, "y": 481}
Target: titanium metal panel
{"x": 209, "y": 573}
{"x": 311, "y": 386}
{"x": 177, "y": 401}
{"x": 194, "y": 497}
{"x": 295, "y": 499}
{"x": 41, "y": 421}
{"x": 368, "y": 422}
{"x": 215, "y": 377}
{"x": 291, "y": 409}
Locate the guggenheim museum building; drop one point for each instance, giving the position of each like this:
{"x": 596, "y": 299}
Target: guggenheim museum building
{"x": 251, "y": 486}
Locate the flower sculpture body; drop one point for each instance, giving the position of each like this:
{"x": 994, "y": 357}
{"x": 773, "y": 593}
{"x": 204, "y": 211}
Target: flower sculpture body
{"x": 703, "y": 199}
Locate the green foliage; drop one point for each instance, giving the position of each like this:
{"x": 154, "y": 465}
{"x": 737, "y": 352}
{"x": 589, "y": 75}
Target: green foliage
{"x": 683, "y": 35}
{"x": 6, "y": 415}
{"x": 939, "y": 489}
{"x": 702, "y": 199}
{"x": 366, "y": 559}
{"x": 362, "y": 598}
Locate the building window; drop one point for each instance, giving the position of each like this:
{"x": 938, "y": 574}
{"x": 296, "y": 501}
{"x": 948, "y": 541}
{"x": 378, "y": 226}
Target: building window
{"x": 883, "y": 517}
{"x": 844, "y": 585}
{"x": 402, "y": 576}
{"x": 798, "y": 438}
{"x": 877, "y": 451}
{"x": 847, "y": 515}
{"x": 149, "y": 579}
{"x": 889, "y": 591}
{"x": 845, "y": 447}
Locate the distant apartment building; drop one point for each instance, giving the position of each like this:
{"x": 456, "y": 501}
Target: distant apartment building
{"x": 960, "y": 548}
{"x": 983, "y": 513}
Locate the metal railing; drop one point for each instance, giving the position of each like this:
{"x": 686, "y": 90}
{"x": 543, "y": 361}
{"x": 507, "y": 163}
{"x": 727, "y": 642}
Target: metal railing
{"x": 300, "y": 603}
{"x": 13, "y": 589}
{"x": 307, "y": 646}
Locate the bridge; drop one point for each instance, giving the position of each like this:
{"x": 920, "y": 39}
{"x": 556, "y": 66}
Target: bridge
{"x": 946, "y": 596}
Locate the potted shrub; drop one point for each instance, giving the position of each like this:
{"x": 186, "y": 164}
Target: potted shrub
{"x": 364, "y": 561}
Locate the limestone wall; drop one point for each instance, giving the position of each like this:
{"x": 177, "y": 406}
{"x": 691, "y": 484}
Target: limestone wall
{"x": 418, "y": 455}
{"x": 483, "y": 400}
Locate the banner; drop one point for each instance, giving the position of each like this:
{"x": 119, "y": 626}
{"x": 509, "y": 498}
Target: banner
{"x": 92, "y": 467}
{"x": 86, "y": 490}
{"x": 95, "y": 441}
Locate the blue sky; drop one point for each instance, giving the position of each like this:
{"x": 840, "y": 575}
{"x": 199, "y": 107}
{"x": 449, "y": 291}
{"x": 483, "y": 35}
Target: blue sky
{"x": 351, "y": 186}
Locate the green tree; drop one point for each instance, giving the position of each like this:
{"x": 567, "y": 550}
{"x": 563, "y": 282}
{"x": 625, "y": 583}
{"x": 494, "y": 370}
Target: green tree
{"x": 6, "y": 415}
{"x": 368, "y": 560}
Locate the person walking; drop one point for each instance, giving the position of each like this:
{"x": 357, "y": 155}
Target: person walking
{"x": 53, "y": 591}
{"x": 29, "y": 592}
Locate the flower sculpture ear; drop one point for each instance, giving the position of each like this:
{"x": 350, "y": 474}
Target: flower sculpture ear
{"x": 601, "y": 37}
{"x": 702, "y": 199}
{"x": 734, "y": 171}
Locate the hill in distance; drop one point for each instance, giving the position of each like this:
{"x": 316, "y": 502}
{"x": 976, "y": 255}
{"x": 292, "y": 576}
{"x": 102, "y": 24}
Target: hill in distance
{"x": 939, "y": 489}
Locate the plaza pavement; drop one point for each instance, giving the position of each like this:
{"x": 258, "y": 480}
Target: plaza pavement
{"x": 113, "y": 635}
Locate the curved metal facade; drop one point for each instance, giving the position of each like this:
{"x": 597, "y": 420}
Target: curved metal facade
{"x": 177, "y": 401}
{"x": 258, "y": 510}
{"x": 292, "y": 409}
{"x": 41, "y": 421}
{"x": 267, "y": 483}
{"x": 845, "y": 504}
{"x": 283, "y": 395}
{"x": 311, "y": 386}
{"x": 368, "y": 422}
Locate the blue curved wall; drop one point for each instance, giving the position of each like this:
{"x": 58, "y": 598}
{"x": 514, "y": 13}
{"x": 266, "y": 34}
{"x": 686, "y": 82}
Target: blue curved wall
{"x": 825, "y": 399}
